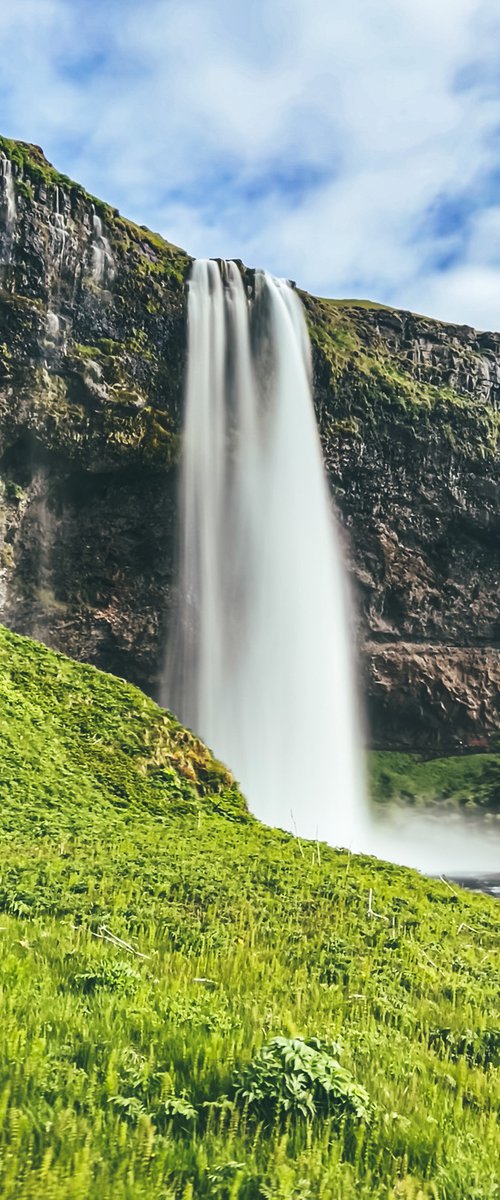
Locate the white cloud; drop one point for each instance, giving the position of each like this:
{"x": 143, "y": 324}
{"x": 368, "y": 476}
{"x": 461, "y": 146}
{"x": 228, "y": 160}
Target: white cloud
{"x": 187, "y": 114}
{"x": 468, "y": 294}
{"x": 484, "y": 245}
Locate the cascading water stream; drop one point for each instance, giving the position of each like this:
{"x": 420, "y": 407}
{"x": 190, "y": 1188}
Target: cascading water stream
{"x": 103, "y": 263}
{"x": 8, "y": 202}
{"x": 10, "y": 195}
{"x": 259, "y": 663}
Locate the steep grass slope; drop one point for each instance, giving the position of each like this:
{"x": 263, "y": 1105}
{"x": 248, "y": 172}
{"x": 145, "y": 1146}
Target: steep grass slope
{"x": 153, "y": 937}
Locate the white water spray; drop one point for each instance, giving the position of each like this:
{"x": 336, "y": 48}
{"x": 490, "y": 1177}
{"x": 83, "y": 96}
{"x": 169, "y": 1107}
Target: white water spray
{"x": 260, "y": 665}
{"x": 260, "y": 661}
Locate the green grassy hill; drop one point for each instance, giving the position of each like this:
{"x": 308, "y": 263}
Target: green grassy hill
{"x": 469, "y": 781}
{"x": 154, "y": 938}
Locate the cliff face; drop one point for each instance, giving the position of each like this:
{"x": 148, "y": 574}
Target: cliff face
{"x": 92, "y": 331}
{"x": 408, "y": 411}
{"x": 92, "y": 342}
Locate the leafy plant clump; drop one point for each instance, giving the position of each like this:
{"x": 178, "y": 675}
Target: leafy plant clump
{"x": 117, "y": 976}
{"x": 292, "y": 1077}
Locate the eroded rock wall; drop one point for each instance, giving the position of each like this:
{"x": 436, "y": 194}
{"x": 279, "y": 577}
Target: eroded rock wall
{"x": 92, "y": 345}
{"x": 409, "y": 419}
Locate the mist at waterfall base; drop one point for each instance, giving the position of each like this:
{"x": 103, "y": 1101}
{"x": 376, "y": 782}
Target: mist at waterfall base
{"x": 260, "y": 660}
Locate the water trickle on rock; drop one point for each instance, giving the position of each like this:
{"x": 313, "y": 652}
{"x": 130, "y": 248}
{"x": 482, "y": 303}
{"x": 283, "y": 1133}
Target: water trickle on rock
{"x": 103, "y": 263}
{"x": 8, "y": 196}
{"x": 54, "y": 340}
{"x": 53, "y": 325}
{"x": 260, "y": 663}
{"x": 59, "y": 231}
{"x": 8, "y": 189}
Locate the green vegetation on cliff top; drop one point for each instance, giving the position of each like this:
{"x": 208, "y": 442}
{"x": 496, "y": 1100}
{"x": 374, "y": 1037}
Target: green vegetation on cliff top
{"x": 380, "y": 391}
{"x": 36, "y": 169}
{"x": 373, "y": 388}
{"x": 155, "y": 938}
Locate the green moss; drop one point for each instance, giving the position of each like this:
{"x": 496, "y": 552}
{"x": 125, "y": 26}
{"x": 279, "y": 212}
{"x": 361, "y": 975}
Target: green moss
{"x": 334, "y": 336}
{"x": 85, "y": 351}
{"x": 378, "y": 391}
{"x": 24, "y": 188}
{"x": 139, "y": 344}
{"x": 59, "y": 411}
{"x": 110, "y": 346}
{"x": 344, "y": 427}
{"x": 32, "y": 162}
{"x": 36, "y": 170}
{"x": 141, "y": 234}
{"x": 366, "y": 304}
{"x": 14, "y": 491}
{"x": 154, "y": 257}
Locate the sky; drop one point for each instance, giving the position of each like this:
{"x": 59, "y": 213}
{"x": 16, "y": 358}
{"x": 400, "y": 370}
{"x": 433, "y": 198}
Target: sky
{"x": 353, "y": 147}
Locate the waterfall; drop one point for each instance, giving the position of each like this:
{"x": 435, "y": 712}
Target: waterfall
{"x": 260, "y": 662}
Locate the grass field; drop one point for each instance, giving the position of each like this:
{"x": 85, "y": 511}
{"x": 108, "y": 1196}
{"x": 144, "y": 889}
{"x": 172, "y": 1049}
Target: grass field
{"x": 154, "y": 938}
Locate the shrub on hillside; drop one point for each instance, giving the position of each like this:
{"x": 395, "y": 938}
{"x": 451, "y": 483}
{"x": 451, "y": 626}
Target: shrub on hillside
{"x": 117, "y": 975}
{"x": 294, "y": 1077}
